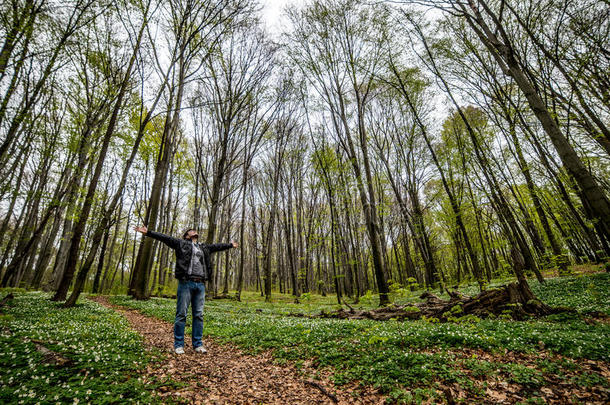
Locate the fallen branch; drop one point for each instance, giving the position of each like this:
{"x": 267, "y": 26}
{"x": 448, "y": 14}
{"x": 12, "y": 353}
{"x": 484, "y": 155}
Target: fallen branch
{"x": 171, "y": 296}
{"x": 351, "y": 309}
{"x": 49, "y": 356}
{"x": 323, "y": 390}
{"x": 224, "y": 297}
{"x": 595, "y": 317}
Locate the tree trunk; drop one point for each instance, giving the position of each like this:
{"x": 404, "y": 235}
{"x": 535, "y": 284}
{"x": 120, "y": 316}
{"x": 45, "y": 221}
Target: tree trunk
{"x": 139, "y": 284}
{"x": 504, "y": 55}
{"x": 100, "y": 263}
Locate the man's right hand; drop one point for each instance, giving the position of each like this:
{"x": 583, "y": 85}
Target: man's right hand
{"x": 142, "y": 229}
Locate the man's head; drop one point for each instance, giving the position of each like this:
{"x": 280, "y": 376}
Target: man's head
{"x": 191, "y": 234}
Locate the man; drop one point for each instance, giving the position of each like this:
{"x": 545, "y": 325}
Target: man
{"x": 193, "y": 268}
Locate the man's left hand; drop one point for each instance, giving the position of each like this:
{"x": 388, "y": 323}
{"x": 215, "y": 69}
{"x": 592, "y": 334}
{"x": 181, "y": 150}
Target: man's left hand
{"x": 235, "y": 245}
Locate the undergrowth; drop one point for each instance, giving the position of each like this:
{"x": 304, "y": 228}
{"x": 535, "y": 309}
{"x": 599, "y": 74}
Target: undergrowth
{"x": 103, "y": 356}
{"x": 393, "y": 354}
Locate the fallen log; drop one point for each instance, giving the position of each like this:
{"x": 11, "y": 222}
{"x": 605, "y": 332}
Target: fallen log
{"x": 224, "y": 297}
{"x": 514, "y": 300}
{"x": 51, "y": 357}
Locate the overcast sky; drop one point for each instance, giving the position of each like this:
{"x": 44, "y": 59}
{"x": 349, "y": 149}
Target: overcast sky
{"x": 272, "y": 13}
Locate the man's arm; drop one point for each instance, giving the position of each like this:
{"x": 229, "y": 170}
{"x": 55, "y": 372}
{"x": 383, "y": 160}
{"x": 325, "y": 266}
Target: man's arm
{"x": 218, "y": 247}
{"x": 168, "y": 240}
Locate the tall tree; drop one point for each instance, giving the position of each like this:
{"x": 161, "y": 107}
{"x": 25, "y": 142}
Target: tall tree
{"x": 195, "y": 28}
{"x": 338, "y": 46}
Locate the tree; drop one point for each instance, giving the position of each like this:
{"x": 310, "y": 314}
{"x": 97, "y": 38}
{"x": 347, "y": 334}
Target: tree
{"x": 195, "y": 29}
{"x": 485, "y": 22}
{"x": 339, "y": 51}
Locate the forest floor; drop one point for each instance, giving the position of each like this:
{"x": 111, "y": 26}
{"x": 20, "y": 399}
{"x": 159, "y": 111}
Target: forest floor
{"x": 117, "y": 350}
{"x": 228, "y": 375}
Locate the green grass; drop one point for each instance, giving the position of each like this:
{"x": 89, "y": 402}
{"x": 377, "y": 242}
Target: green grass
{"x": 392, "y": 355}
{"x": 105, "y": 355}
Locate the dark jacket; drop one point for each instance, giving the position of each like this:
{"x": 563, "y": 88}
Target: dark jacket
{"x": 184, "y": 251}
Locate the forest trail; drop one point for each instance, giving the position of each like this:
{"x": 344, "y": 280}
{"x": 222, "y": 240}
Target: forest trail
{"x": 226, "y": 375}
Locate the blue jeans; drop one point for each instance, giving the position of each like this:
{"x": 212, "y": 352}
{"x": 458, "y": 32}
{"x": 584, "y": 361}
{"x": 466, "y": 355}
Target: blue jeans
{"x": 193, "y": 293}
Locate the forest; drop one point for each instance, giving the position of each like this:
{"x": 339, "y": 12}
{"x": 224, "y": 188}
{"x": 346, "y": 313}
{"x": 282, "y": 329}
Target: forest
{"x": 419, "y": 167}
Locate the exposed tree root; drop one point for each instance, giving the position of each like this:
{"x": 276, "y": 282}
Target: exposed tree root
{"x": 6, "y": 299}
{"x": 515, "y": 300}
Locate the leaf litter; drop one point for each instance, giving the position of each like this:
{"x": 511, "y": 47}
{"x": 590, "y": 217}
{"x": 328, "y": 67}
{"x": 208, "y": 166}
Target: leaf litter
{"x": 227, "y": 375}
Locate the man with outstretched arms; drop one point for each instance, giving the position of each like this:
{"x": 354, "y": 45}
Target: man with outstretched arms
{"x": 193, "y": 268}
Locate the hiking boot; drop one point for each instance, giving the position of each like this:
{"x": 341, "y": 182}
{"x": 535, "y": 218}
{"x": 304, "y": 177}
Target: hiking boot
{"x": 179, "y": 350}
{"x": 200, "y": 349}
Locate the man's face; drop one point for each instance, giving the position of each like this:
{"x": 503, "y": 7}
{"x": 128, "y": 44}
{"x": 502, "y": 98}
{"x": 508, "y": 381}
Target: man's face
{"x": 192, "y": 235}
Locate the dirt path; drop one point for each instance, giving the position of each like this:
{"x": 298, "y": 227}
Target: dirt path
{"x": 226, "y": 375}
